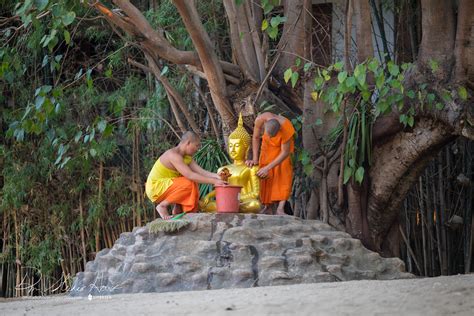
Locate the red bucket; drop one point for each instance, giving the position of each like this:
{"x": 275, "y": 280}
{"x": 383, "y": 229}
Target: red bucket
{"x": 227, "y": 198}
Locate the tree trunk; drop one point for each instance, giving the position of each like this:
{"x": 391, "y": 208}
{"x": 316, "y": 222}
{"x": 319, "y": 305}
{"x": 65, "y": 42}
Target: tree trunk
{"x": 210, "y": 63}
{"x": 397, "y": 166}
{"x": 437, "y": 42}
{"x": 362, "y": 19}
{"x": 464, "y": 46}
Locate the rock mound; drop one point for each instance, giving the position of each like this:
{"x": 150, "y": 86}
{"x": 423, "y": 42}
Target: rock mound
{"x": 232, "y": 251}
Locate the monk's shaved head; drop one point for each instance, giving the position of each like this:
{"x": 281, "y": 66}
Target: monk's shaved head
{"x": 272, "y": 127}
{"x": 190, "y": 136}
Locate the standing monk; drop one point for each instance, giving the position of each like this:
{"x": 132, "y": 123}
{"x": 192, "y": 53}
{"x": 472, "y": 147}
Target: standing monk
{"x": 174, "y": 176}
{"x": 276, "y": 170}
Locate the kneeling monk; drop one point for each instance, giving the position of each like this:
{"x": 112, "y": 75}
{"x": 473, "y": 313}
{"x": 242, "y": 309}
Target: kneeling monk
{"x": 174, "y": 177}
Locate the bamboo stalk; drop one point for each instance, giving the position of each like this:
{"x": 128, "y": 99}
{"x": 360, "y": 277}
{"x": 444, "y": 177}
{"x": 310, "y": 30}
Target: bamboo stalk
{"x": 97, "y": 231}
{"x": 442, "y": 212}
{"x": 468, "y": 218}
{"x": 422, "y": 213}
{"x": 83, "y": 242}
{"x": 409, "y": 248}
{"x": 4, "y": 250}
{"x": 17, "y": 255}
{"x": 437, "y": 224}
{"x": 137, "y": 174}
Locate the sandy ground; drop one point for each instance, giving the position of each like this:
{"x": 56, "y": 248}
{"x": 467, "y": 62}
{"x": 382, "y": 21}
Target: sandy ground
{"x": 452, "y": 295}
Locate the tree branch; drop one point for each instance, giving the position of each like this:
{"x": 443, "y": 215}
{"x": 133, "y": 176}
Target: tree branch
{"x": 209, "y": 61}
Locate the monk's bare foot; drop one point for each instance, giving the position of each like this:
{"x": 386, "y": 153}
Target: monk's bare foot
{"x": 281, "y": 208}
{"x": 266, "y": 210}
{"x": 280, "y": 212}
{"x": 177, "y": 209}
{"x": 163, "y": 212}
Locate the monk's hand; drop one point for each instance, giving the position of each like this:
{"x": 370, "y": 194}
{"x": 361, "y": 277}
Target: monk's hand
{"x": 263, "y": 172}
{"x": 220, "y": 182}
{"x": 251, "y": 163}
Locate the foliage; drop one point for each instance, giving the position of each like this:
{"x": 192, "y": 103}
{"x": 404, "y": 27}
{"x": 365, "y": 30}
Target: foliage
{"x": 271, "y": 22}
{"x": 69, "y": 103}
{"x": 371, "y": 90}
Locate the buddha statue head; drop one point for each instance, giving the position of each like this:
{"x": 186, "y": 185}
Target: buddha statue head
{"x": 239, "y": 142}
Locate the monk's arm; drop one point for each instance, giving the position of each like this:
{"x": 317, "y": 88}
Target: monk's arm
{"x": 196, "y": 168}
{"x": 188, "y": 173}
{"x": 285, "y": 151}
{"x": 257, "y": 132}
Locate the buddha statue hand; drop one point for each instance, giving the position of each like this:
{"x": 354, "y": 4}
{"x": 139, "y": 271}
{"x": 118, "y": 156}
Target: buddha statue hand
{"x": 206, "y": 204}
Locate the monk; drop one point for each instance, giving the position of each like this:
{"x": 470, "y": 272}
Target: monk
{"x": 174, "y": 177}
{"x": 276, "y": 170}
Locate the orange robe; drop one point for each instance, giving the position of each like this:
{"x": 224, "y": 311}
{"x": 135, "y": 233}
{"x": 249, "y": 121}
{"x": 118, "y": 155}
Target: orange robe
{"x": 164, "y": 184}
{"x": 277, "y": 186}
{"x": 184, "y": 192}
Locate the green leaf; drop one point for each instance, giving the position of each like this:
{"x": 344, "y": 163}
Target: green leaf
{"x": 446, "y": 96}
{"x": 67, "y": 37}
{"x": 439, "y": 106}
{"x": 350, "y": 82}
{"x": 41, "y": 4}
{"x": 39, "y": 102}
{"x": 287, "y": 75}
{"x": 68, "y": 18}
{"x": 25, "y": 7}
{"x": 272, "y": 32}
{"x": 405, "y": 66}
{"x": 164, "y": 71}
{"x": 108, "y": 130}
{"x": 65, "y": 161}
{"x": 306, "y": 67}
{"x": 411, "y": 121}
{"x": 403, "y": 119}
{"x": 294, "y": 78}
{"x": 433, "y": 65}
{"x": 318, "y": 82}
{"x": 430, "y": 97}
{"x": 264, "y": 24}
{"x": 338, "y": 66}
{"x": 275, "y": 21}
{"x": 462, "y": 93}
{"x": 359, "y": 73}
{"x": 267, "y": 7}
{"x": 298, "y": 62}
{"x": 318, "y": 122}
{"x": 342, "y": 76}
{"x": 108, "y": 73}
{"x": 78, "y": 136}
{"x": 380, "y": 80}
{"x": 411, "y": 94}
{"x": 373, "y": 65}
{"x": 383, "y": 106}
{"x": 102, "y": 125}
{"x": 347, "y": 174}
{"x": 366, "y": 95}
{"x": 308, "y": 169}
{"x": 359, "y": 175}
{"x": 393, "y": 68}
{"x": 93, "y": 152}
{"x": 239, "y": 2}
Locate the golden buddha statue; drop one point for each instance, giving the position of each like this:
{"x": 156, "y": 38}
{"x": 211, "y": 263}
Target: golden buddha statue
{"x": 240, "y": 174}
